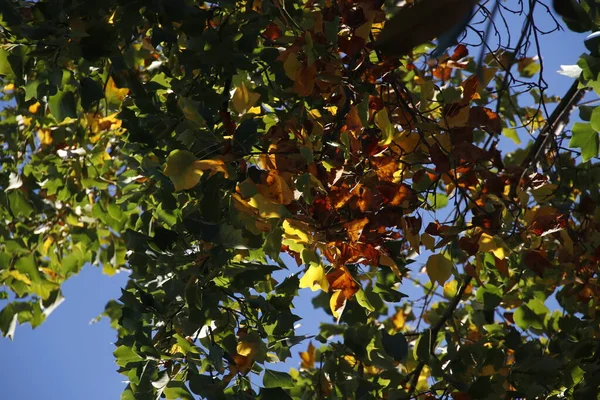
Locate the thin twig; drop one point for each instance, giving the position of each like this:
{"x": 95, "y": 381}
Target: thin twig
{"x": 435, "y": 329}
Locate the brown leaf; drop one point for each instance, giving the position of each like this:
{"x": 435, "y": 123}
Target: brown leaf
{"x": 547, "y": 224}
{"x": 305, "y": 80}
{"x": 439, "y": 159}
{"x": 353, "y": 122}
{"x": 397, "y": 194}
{"x": 354, "y": 228}
{"x": 536, "y": 261}
{"x": 469, "y": 89}
{"x": 385, "y": 167}
{"x": 485, "y": 118}
{"x": 469, "y": 245}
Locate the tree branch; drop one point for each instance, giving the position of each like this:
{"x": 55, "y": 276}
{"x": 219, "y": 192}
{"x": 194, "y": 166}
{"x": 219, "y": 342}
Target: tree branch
{"x": 555, "y": 124}
{"x": 435, "y": 329}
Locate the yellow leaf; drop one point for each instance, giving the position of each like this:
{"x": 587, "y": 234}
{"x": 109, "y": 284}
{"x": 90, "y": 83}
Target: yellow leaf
{"x": 248, "y": 348}
{"x": 46, "y": 245}
{"x": 266, "y": 209}
{"x": 255, "y": 110}
{"x": 293, "y": 230}
{"x": 315, "y": 278}
{"x": 45, "y": 136}
{"x": 175, "y": 349}
{"x": 243, "y": 99}
{"x": 20, "y": 276}
{"x": 185, "y": 170}
{"x": 113, "y": 93}
{"x": 292, "y": 66}
{"x": 35, "y": 107}
{"x": 382, "y": 120}
{"x": 399, "y": 319}
{"x": 439, "y": 268}
{"x": 493, "y": 244}
{"x": 337, "y": 303}
{"x": 450, "y": 289}
{"x": 308, "y": 357}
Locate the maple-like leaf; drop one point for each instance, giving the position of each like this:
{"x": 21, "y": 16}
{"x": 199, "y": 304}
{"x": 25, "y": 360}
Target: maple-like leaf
{"x": 308, "y": 357}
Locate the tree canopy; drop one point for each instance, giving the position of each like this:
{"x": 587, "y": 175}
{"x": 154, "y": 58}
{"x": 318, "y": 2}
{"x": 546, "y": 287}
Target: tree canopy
{"x": 231, "y": 155}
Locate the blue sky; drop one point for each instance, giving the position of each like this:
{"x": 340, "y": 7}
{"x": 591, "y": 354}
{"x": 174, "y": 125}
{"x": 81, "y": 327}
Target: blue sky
{"x": 68, "y": 358}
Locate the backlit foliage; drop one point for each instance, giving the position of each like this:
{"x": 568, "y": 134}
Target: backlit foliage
{"x": 232, "y": 155}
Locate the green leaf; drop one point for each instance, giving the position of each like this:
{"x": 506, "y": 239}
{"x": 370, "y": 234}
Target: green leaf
{"x": 19, "y": 206}
{"x": 395, "y": 345}
{"x": 177, "y": 390}
{"x": 585, "y": 138}
{"x": 595, "y": 119}
{"x": 91, "y": 92}
{"x": 531, "y": 314}
{"x": 512, "y": 135}
{"x": 362, "y": 299}
{"x": 489, "y": 295}
{"x": 423, "y": 347}
{"x": 62, "y": 105}
{"x": 276, "y": 379}
{"x": 437, "y": 200}
{"x": 5, "y": 67}
{"x": 126, "y": 355}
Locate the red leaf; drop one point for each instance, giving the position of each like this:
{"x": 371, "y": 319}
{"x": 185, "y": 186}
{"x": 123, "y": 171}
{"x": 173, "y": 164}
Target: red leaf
{"x": 460, "y": 51}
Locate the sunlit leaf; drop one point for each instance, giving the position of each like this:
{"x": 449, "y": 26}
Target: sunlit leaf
{"x": 439, "y": 268}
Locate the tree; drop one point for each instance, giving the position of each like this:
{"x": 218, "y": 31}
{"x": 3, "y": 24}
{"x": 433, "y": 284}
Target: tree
{"x": 232, "y": 154}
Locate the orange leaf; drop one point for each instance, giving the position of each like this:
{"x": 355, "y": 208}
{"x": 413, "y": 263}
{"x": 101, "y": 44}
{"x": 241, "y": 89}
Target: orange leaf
{"x": 342, "y": 280}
